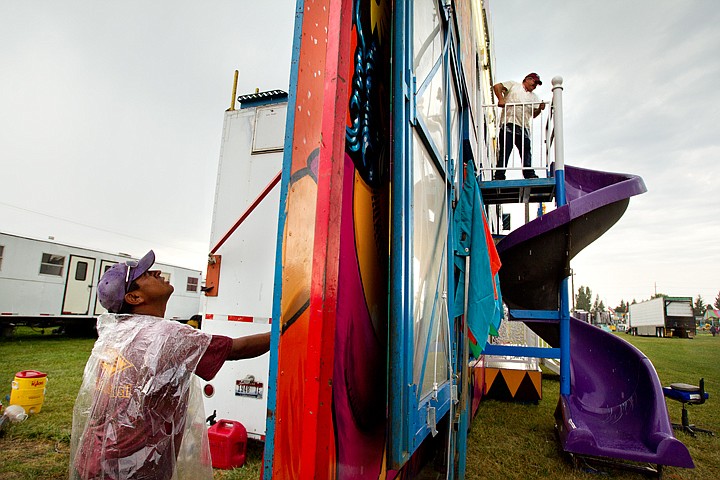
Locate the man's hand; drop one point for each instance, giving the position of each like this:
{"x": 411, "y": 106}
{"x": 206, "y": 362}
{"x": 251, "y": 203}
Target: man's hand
{"x": 250, "y": 346}
{"x": 499, "y": 91}
{"x": 537, "y": 111}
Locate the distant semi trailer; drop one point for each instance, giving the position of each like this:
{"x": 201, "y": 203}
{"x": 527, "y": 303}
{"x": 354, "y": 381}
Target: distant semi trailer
{"x": 663, "y": 317}
{"x": 46, "y": 284}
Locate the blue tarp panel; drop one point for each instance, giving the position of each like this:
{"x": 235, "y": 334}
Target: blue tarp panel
{"x": 472, "y": 238}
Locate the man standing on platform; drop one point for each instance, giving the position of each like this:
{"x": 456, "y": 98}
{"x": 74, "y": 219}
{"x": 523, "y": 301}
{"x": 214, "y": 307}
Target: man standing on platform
{"x": 520, "y": 105}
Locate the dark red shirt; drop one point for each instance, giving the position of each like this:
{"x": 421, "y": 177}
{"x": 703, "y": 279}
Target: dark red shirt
{"x": 214, "y": 357}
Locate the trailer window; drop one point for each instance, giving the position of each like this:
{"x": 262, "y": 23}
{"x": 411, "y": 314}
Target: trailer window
{"x": 2, "y": 249}
{"x": 52, "y": 264}
{"x": 81, "y": 271}
{"x": 192, "y": 284}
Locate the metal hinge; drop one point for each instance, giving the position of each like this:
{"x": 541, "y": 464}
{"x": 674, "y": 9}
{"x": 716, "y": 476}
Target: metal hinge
{"x": 413, "y": 99}
{"x": 431, "y": 421}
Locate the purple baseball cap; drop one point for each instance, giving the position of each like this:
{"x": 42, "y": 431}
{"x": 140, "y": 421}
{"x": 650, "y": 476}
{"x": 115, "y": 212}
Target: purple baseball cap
{"x": 117, "y": 279}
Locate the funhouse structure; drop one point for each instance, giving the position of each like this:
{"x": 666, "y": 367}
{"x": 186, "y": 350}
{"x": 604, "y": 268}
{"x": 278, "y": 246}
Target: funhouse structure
{"x": 390, "y": 270}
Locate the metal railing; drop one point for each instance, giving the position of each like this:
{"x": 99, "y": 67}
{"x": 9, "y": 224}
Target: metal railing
{"x": 530, "y": 139}
{"x": 541, "y": 133}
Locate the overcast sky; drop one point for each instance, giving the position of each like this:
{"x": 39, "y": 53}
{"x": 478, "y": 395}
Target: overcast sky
{"x": 111, "y": 117}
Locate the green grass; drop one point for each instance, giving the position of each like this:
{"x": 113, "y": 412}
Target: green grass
{"x": 507, "y": 440}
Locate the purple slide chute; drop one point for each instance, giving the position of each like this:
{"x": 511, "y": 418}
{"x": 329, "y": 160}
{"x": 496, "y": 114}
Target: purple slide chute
{"x": 616, "y": 407}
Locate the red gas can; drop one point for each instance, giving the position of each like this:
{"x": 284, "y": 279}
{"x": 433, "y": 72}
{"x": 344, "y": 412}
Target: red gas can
{"x": 228, "y": 444}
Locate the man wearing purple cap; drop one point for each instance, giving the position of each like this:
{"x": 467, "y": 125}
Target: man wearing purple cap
{"x": 520, "y": 105}
{"x": 139, "y": 412}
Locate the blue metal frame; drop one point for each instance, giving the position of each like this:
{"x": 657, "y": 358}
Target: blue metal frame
{"x": 441, "y": 404}
{"x": 400, "y": 304}
{"x": 538, "y": 315}
{"x": 409, "y": 413}
{"x": 560, "y": 201}
{"x": 516, "y": 351}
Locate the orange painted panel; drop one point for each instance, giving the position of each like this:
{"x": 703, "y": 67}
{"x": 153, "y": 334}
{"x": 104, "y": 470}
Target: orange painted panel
{"x": 212, "y": 277}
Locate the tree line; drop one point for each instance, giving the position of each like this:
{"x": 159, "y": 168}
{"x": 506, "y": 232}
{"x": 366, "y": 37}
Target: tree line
{"x": 584, "y": 301}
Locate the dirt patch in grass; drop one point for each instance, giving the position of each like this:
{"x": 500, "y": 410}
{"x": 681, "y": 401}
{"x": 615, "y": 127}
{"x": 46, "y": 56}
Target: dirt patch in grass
{"x": 49, "y": 460}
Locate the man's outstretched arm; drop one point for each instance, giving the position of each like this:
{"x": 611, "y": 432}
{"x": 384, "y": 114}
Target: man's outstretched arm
{"x": 249, "y": 346}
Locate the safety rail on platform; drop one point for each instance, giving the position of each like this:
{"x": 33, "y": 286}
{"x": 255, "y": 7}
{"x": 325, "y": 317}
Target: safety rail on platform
{"x": 537, "y": 132}
{"x": 541, "y": 132}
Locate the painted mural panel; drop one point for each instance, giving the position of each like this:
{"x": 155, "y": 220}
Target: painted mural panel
{"x": 359, "y": 393}
{"x": 297, "y": 250}
{"x": 354, "y": 437}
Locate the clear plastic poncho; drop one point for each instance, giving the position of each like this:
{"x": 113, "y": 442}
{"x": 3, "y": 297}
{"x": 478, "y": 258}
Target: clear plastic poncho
{"x": 139, "y": 413}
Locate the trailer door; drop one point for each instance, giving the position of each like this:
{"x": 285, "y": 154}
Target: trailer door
{"x": 104, "y": 266}
{"x": 78, "y": 286}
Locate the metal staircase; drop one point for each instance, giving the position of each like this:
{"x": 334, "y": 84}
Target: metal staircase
{"x": 538, "y": 190}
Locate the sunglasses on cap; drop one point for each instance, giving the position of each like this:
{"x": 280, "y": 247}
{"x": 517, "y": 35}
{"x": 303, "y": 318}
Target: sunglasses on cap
{"x": 130, "y": 264}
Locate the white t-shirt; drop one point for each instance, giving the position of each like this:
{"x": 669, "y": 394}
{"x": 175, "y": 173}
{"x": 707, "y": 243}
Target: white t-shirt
{"x": 518, "y": 114}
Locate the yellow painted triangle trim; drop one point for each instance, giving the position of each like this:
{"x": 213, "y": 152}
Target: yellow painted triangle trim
{"x": 537, "y": 381}
{"x": 513, "y": 378}
{"x": 490, "y": 374}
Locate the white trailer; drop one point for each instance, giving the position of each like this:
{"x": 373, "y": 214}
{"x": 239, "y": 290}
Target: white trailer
{"x": 663, "y": 317}
{"x": 47, "y": 284}
{"x": 243, "y": 240}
